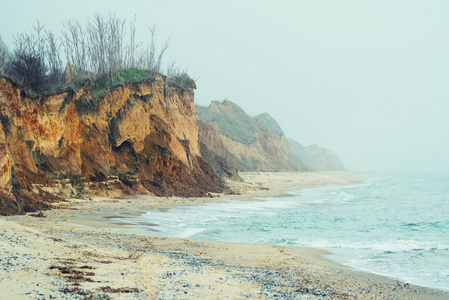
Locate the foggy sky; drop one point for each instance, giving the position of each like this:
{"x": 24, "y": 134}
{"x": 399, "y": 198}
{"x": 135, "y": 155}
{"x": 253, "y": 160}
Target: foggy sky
{"x": 368, "y": 80}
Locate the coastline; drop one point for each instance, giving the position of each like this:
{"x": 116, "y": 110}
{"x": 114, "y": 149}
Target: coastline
{"x": 71, "y": 253}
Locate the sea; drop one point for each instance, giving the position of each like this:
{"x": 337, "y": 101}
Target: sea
{"x": 391, "y": 225}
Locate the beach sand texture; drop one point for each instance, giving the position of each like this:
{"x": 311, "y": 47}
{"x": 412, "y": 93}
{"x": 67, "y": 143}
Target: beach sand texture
{"x": 72, "y": 253}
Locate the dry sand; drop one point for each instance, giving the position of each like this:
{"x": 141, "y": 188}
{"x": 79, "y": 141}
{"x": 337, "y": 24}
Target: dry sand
{"x": 73, "y": 254}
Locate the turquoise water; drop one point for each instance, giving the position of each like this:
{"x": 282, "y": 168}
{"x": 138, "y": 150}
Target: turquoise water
{"x": 396, "y": 226}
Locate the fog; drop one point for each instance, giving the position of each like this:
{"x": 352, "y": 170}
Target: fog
{"x": 367, "y": 80}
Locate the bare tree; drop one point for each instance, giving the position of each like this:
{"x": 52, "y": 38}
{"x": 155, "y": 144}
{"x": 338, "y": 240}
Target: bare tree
{"x": 132, "y": 46}
{"x": 106, "y": 50}
{"x": 151, "y": 49}
{"x": 172, "y": 69}
{"x": 158, "y": 65}
{"x": 106, "y": 46}
{"x": 54, "y": 59}
{"x": 74, "y": 43}
{"x": 149, "y": 60}
{"x": 38, "y": 41}
{"x": 96, "y": 31}
{"x": 115, "y": 49}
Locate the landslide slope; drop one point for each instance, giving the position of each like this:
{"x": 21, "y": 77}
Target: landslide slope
{"x": 137, "y": 138}
{"x": 246, "y": 143}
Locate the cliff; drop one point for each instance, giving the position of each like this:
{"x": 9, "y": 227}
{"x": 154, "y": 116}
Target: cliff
{"x": 246, "y": 143}
{"x": 137, "y": 138}
{"x": 316, "y": 158}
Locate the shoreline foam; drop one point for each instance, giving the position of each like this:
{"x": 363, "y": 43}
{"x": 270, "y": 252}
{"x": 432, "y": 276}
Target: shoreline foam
{"x": 39, "y": 251}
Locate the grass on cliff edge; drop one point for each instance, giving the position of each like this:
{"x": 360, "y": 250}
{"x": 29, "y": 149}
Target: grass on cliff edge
{"x": 104, "y": 83}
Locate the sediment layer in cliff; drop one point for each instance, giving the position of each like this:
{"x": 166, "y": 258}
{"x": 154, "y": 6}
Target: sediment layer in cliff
{"x": 246, "y": 143}
{"x": 137, "y": 138}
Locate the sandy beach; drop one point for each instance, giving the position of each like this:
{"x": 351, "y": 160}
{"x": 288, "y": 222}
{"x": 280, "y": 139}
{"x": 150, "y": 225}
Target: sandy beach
{"x": 72, "y": 253}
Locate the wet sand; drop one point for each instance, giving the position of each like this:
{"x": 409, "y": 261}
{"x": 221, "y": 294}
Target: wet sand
{"x": 73, "y": 253}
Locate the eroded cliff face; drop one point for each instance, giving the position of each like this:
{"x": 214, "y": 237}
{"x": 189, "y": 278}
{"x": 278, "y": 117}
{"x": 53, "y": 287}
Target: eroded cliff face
{"x": 246, "y": 143}
{"x": 138, "y": 138}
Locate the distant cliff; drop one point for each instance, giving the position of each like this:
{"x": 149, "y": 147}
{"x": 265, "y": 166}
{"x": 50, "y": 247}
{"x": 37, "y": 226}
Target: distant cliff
{"x": 316, "y": 158}
{"x": 246, "y": 143}
{"x": 137, "y": 138}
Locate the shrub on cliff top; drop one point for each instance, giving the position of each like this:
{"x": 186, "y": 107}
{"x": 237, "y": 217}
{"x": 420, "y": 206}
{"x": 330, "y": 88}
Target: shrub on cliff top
{"x": 28, "y": 69}
{"x": 35, "y": 62}
{"x": 182, "y": 81}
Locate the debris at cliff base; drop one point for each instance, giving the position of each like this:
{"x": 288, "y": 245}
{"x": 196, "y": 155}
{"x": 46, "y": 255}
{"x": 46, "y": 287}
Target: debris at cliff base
{"x": 39, "y": 215}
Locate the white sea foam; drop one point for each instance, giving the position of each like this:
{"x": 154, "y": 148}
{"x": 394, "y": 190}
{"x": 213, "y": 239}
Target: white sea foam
{"x": 189, "y": 232}
{"x": 385, "y": 246}
{"x": 394, "y": 226}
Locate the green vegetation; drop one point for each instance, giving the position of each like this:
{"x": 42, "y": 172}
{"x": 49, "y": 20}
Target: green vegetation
{"x": 105, "y": 83}
{"x": 134, "y": 75}
{"x": 15, "y": 206}
{"x": 231, "y": 120}
{"x": 266, "y": 121}
{"x": 147, "y": 160}
{"x": 80, "y": 83}
{"x": 182, "y": 81}
{"x": 35, "y": 61}
{"x": 76, "y": 180}
{"x": 103, "y": 50}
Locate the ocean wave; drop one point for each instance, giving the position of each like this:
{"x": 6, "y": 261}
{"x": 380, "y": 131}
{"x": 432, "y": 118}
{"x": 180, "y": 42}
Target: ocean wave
{"x": 189, "y": 232}
{"x": 384, "y": 246}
